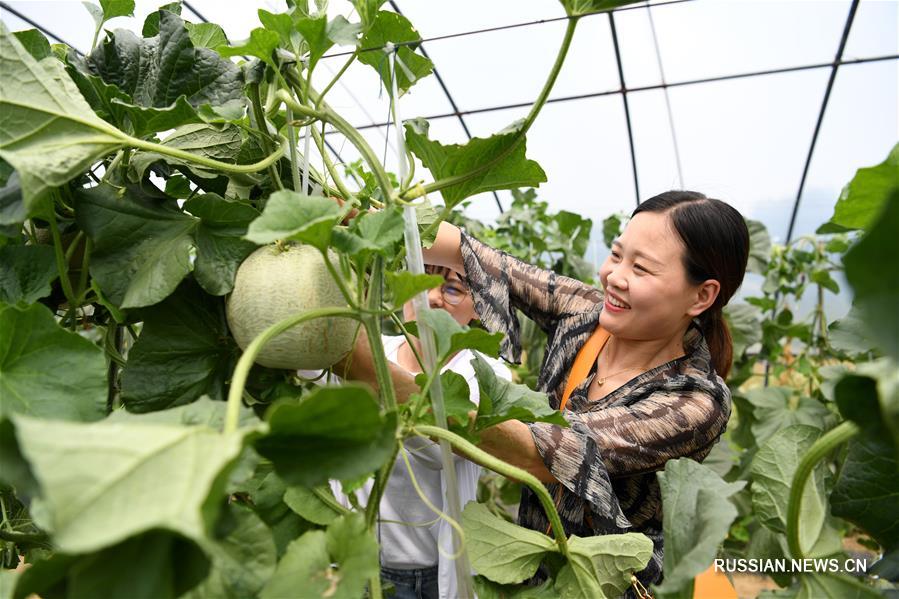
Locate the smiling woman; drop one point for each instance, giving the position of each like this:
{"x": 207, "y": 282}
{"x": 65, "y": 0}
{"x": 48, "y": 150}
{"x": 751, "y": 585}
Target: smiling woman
{"x": 654, "y": 390}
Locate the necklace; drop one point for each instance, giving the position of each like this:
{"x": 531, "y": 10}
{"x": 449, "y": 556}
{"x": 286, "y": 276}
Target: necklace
{"x": 602, "y": 380}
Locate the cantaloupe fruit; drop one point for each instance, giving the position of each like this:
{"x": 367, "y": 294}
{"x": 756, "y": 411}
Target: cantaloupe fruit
{"x": 276, "y": 282}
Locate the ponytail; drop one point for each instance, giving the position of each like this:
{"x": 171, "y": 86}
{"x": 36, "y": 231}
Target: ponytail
{"x": 717, "y": 335}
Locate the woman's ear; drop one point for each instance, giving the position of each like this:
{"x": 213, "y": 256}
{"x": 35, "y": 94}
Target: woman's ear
{"x": 706, "y": 294}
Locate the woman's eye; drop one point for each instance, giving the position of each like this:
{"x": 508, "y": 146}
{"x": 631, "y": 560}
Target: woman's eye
{"x": 616, "y": 255}
{"x": 640, "y": 268}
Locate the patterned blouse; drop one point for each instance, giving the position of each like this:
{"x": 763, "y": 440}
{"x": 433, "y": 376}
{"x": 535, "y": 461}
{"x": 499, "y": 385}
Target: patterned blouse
{"x": 606, "y": 461}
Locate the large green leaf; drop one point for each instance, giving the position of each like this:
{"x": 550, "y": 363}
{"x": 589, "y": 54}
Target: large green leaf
{"x": 452, "y": 337}
{"x": 864, "y": 197}
{"x": 336, "y": 563}
{"x": 867, "y": 488}
{"x": 511, "y": 171}
{"x": 772, "y": 478}
{"x": 48, "y": 132}
{"x": 834, "y": 586}
{"x": 501, "y": 551}
{"x": 759, "y": 247}
{"x": 104, "y": 482}
{"x": 46, "y": 371}
{"x": 849, "y": 334}
{"x": 487, "y": 589}
{"x": 243, "y": 556}
{"x": 696, "y": 518}
{"x": 143, "y": 246}
{"x": 404, "y": 285}
{"x": 261, "y": 44}
{"x": 390, "y": 27}
{"x": 153, "y": 565}
{"x": 12, "y": 208}
{"x": 26, "y": 272}
{"x": 310, "y": 506}
{"x": 876, "y": 284}
{"x": 339, "y": 431}
{"x": 503, "y": 400}
{"x": 775, "y": 408}
{"x": 602, "y": 566}
{"x": 291, "y": 215}
{"x": 156, "y": 71}
{"x": 184, "y": 351}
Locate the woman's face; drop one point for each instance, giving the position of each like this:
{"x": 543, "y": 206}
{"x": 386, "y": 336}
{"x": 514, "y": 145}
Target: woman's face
{"x": 441, "y": 298}
{"x": 647, "y": 292}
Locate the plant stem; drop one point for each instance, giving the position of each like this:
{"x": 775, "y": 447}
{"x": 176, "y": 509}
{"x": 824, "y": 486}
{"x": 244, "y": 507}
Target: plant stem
{"x": 346, "y": 65}
{"x": 113, "y": 397}
{"x": 820, "y": 449}
{"x": 373, "y": 330}
{"x": 329, "y": 164}
{"x": 23, "y": 537}
{"x": 329, "y": 501}
{"x": 259, "y": 115}
{"x": 61, "y": 265}
{"x": 350, "y": 300}
{"x": 418, "y": 191}
{"x": 294, "y": 159}
{"x": 242, "y": 370}
{"x": 227, "y": 167}
{"x": 85, "y": 269}
{"x": 479, "y": 456}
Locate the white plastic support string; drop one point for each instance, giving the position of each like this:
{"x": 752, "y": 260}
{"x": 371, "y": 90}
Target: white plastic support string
{"x": 415, "y": 265}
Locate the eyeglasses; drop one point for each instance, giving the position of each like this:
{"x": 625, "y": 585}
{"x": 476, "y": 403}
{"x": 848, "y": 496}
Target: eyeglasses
{"x": 453, "y": 293}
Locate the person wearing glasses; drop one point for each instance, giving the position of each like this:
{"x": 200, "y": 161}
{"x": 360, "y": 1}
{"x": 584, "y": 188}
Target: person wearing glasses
{"x": 409, "y": 531}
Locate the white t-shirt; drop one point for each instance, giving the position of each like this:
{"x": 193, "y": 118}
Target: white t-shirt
{"x": 413, "y": 545}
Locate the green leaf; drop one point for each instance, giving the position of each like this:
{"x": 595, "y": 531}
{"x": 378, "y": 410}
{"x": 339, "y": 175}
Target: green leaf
{"x": 154, "y": 565}
{"x": 501, "y": 551}
{"x": 310, "y": 561}
{"x": 12, "y": 209}
{"x": 117, "y": 108}
{"x": 315, "y": 33}
{"x": 34, "y": 43}
{"x": 491, "y": 590}
{"x": 117, "y": 8}
{"x": 503, "y": 400}
{"x": 310, "y": 506}
{"x": 261, "y": 44}
{"x": 342, "y": 32}
{"x": 206, "y": 35}
{"x": 104, "y": 482}
{"x": 26, "y": 272}
{"x": 602, "y": 566}
{"x": 452, "y": 337}
{"x": 456, "y": 396}
{"x": 339, "y": 431}
{"x": 865, "y": 196}
{"x": 759, "y": 247}
{"x": 208, "y": 141}
{"x": 48, "y": 132}
{"x": 866, "y": 489}
{"x": 404, "y": 285}
{"x": 282, "y": 24}
{"x": 877, "y": 288}
{"x": 696, "y": 519}
{"x": 141, "y": 246}
{"x": 202, "y": 412}
{"x": 772, "y": 477}
{"x": 184, "y": 351}
{"x": 47, "y": 371}
{"x": 745, "y": 324}
{"x": 243, "y": 556}
{"x": 291, "y": 215}
{"x": 381, "y": 229}
{"x": 390, "y": 27}
{"x": 151, "y": 23}
{"x": 513, "y": 170}
{"x": 834, "y": 586}
{"x": 575, "y": 8}
{"x": 156, "y": 71}
{"x": 849, "y": 334}
{"x": 219, "y": 238}
{"x": 774, "y": 408}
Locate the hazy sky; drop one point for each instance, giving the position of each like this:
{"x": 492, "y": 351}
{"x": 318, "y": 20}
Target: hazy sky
{"x": 744, "y": 141}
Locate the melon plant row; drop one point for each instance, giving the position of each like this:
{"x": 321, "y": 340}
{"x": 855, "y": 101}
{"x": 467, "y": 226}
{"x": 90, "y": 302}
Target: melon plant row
{"x": 165, "y": 271}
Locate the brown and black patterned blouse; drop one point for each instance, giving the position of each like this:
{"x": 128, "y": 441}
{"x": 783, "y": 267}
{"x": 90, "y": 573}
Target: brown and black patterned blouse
{"x": 606, "y": 461}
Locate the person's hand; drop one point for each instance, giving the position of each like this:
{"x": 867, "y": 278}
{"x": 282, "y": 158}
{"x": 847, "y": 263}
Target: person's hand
{"x": 357, "y": 365}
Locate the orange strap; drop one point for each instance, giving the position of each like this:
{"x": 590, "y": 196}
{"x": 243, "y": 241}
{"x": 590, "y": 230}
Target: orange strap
{"x": 586, "y": 356}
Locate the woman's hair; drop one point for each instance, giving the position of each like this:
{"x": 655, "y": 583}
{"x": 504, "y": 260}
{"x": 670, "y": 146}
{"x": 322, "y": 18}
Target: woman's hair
{"x": 716, "y": 242}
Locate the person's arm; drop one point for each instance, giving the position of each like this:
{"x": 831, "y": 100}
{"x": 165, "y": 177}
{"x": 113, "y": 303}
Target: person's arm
{"x": 358, "y": 365}
{"x": 446, "y": 249}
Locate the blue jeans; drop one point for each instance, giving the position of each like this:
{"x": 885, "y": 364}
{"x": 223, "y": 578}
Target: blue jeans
{"x": 411, "y": 584}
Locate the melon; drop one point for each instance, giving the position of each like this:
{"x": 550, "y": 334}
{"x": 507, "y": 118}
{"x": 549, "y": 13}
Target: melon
{"x": 276, "y": 282}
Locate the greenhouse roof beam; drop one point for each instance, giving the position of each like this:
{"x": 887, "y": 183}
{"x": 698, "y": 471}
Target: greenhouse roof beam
{"x": 659, "y": 86}
{"x": 833, "y": 74}
{"x": 627, "y": 110}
